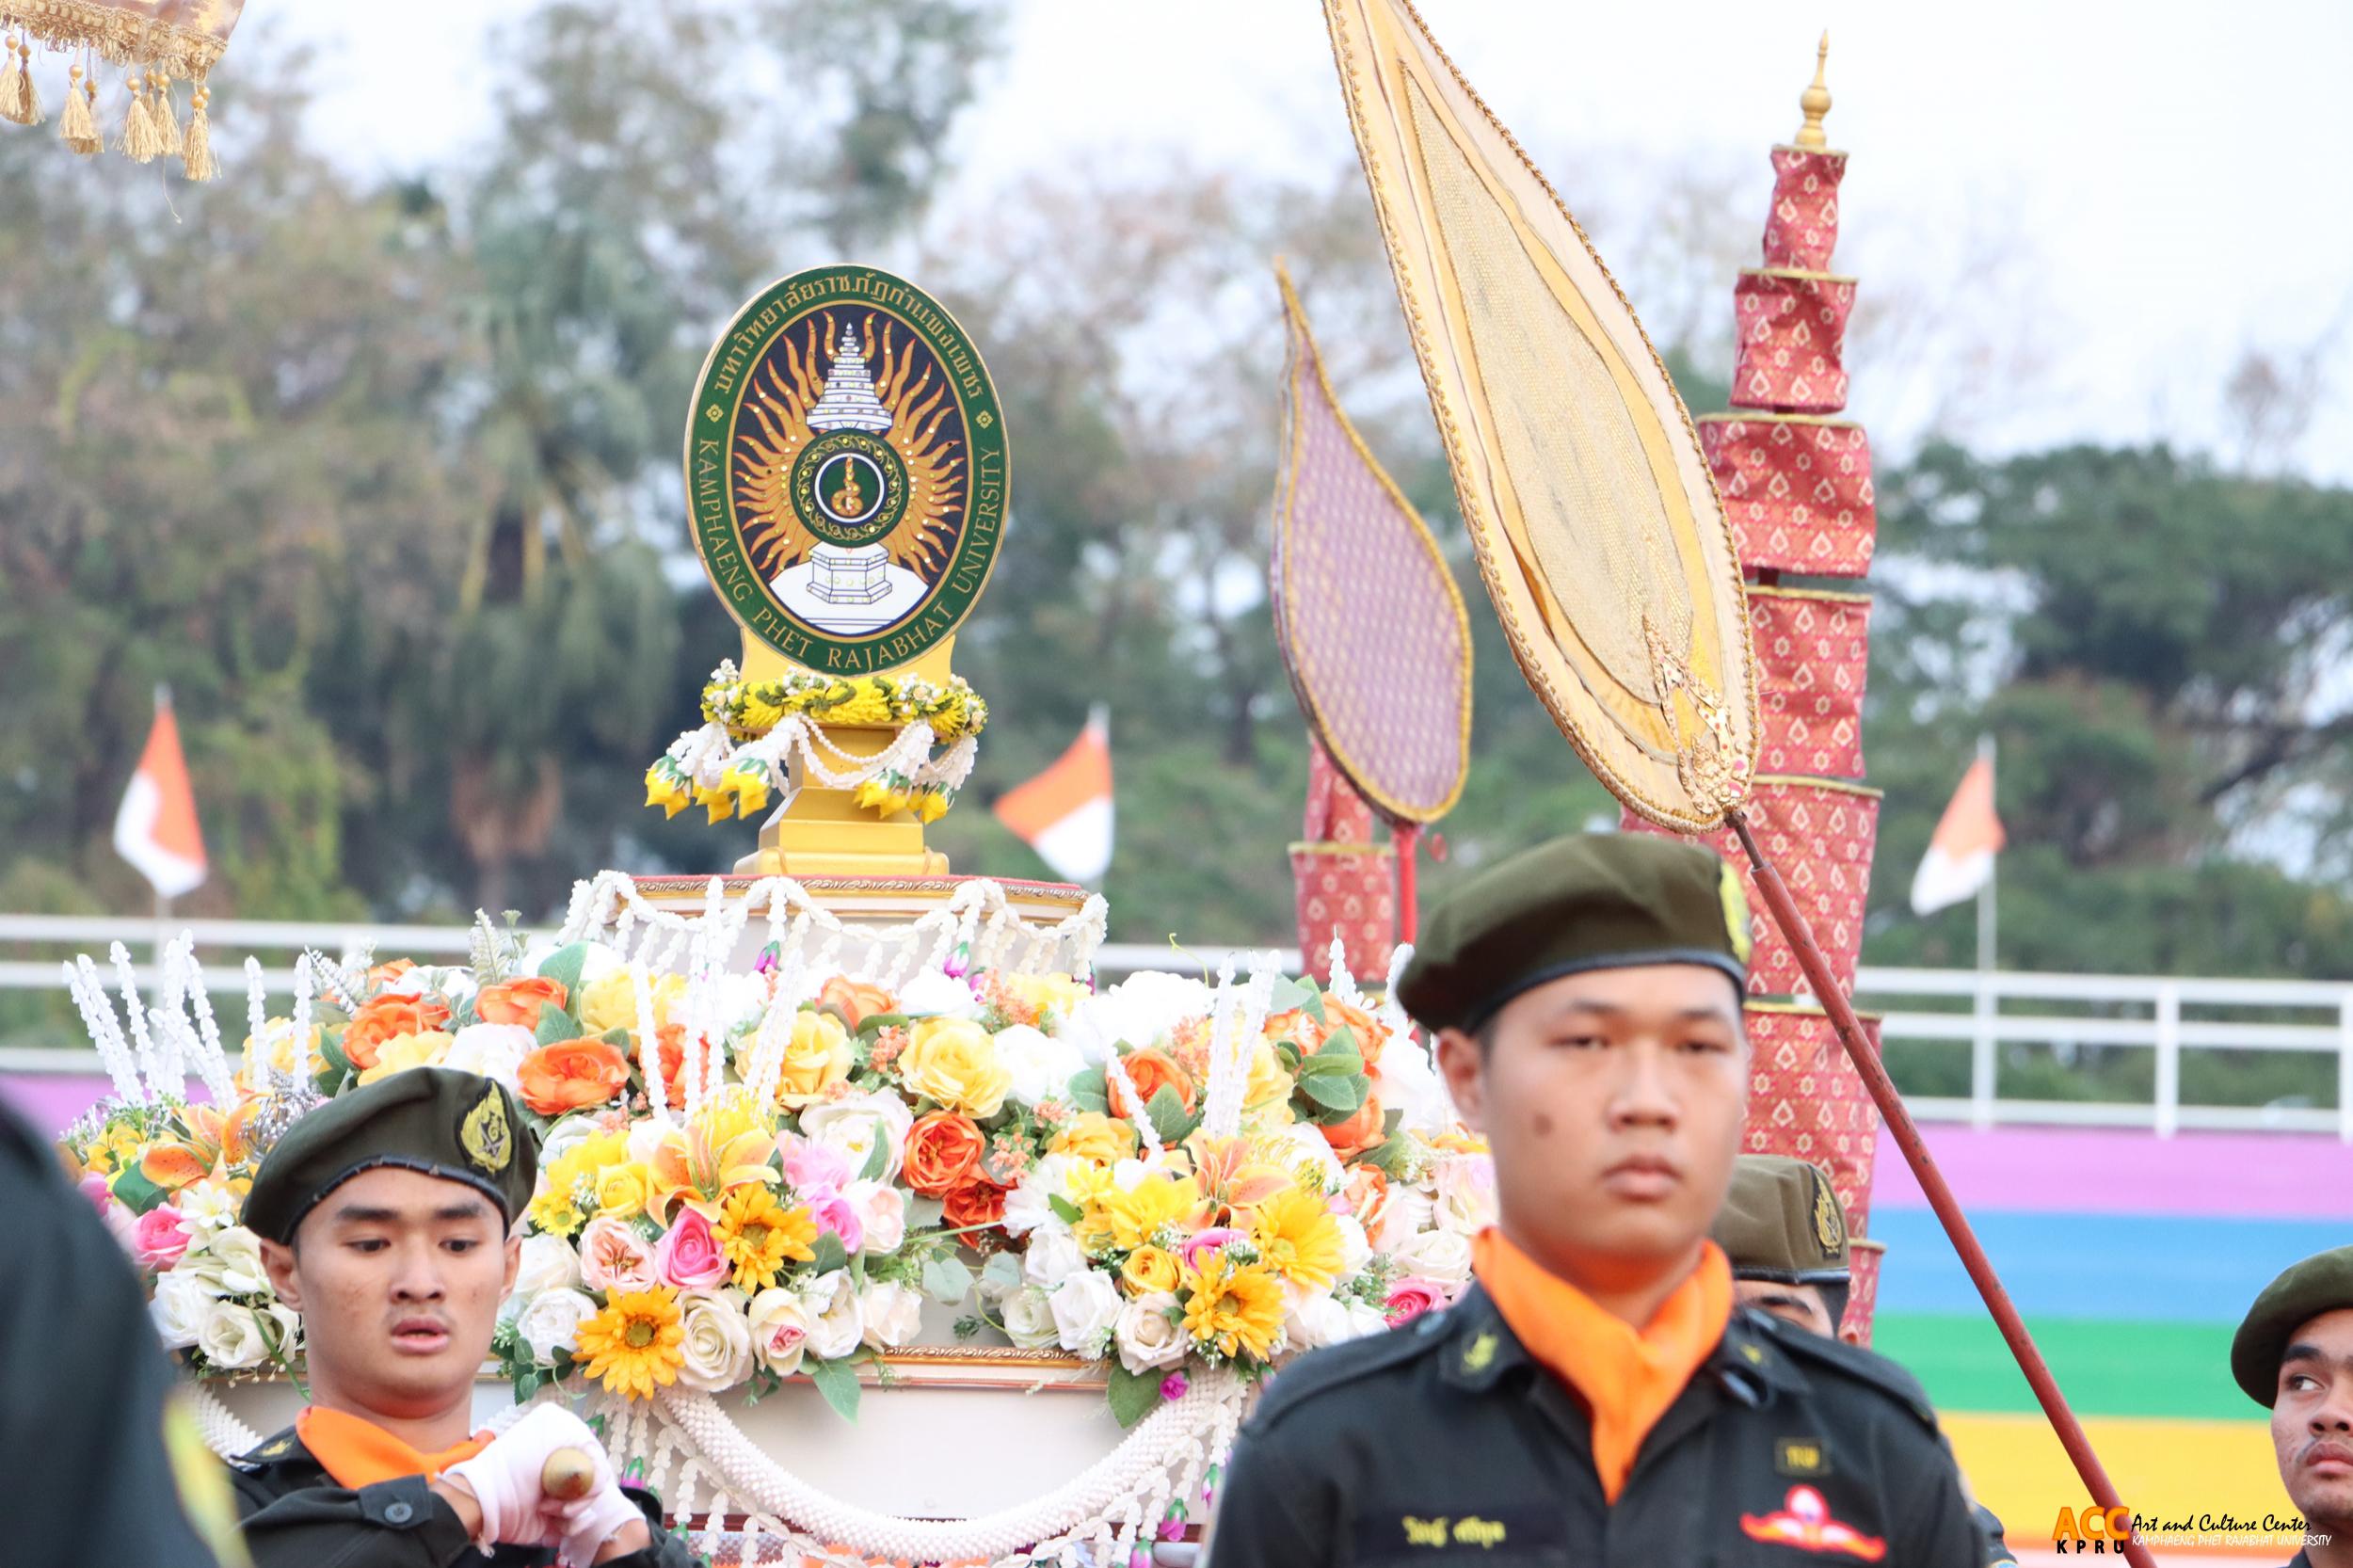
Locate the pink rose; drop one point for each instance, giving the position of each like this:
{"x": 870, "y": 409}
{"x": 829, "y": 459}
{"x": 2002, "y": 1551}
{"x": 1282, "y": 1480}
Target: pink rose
{"x": 95, "y": 1189}
{"x": 159, "y": 1239}
{"x": 1207, "y": 1241}
{"x": 836, "y": 1213}
{"x": 613, "y": 1257}
{"x": 811, "y": 1164}
{"x": 1412, "y": 1296}
{"x": 688, "y": 1254}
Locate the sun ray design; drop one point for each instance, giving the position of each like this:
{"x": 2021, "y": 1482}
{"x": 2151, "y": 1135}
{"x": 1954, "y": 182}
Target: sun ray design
{"x": 924, "y": 431}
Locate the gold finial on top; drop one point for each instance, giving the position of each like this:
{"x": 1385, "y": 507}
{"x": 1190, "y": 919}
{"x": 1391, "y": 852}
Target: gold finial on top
{"x": 1814, "y": 99}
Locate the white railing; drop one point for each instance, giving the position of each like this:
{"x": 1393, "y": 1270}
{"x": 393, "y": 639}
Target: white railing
{"x": 1972, "y": 1017}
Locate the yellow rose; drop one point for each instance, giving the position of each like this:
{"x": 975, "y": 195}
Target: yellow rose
{"x": 1268, "y": 1084}
{"x": 815, "y": 1058}
{"x": 1091, "y": 1135}
{"x": 612, "y": 1001}
{"x": 1047, "y": 993}
{"x": 954, "y": 1062}
{"x": 555, "y": 1207}
{"x": 1147, "y": 1270}
{"x": 404, "y": 1051}
{"x": 274, "y": 1052}
{"x": 621, "y": 1189}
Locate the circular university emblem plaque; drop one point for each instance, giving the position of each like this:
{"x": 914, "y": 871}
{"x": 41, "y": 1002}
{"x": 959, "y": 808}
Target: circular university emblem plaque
{"x": 846, "y": 469}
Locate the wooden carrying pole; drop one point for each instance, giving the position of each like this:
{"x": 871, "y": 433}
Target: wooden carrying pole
{"x": 1907, "y": 1135}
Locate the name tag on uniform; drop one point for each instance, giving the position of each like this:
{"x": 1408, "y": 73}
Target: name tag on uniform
{"x": 1456, "y": 1531}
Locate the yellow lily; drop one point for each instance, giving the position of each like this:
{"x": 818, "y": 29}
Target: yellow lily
{"x": 723, "y": 1145}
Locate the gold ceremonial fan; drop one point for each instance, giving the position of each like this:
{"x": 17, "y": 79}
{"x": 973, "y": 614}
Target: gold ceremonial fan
{"x": 1599, "y": 533}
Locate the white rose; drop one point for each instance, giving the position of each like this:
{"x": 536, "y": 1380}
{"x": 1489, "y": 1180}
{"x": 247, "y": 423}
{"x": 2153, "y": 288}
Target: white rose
{"x": 1304, "y": 1145}
{"x": 284, "y": 1325}
{"x": 547, "y": 1261}
{"x": 1042, "y": 1066}
{"x": 718, "y": 1342}
{"x": 1439, "y": 1254}
{"x": 882, "y": 1209}
{"x": 232, "y": 1262}
{"x": 1051, "y": 1258}
{"x": 1085, "y": 1305}
{"x": 231, "y": 1337}
{"x": 550, "y": 1320}
{"x": 178, "y": 1309}
{"x": 779, "y": 1322}
{"x": 1355, "y": 1251}
{"x": 1407, "y": 1215}
{"x": 569, "y": 1131}
{"x": 854, "y": 1122}
{"x": 1364, "y": 1319}
{"x": 931, "y": 994}
{"x": 1467, "y": 1193}
{"x": 1147, "y": 1333}
{"x": 1136, "y": 1011}
{"x": 1031, "y": 1204}
{"x": 1317, "y": 1321}
{"x": 1407, "y": 1084}
{"x": 835, "y": 1326}
{"x": 1028, "y": 1319}
{"x": 493, "y": 1050}
{"x": 893, "y": 1314}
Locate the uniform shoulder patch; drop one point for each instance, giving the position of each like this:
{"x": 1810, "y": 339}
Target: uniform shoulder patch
{"x": 269, "y": 1450}
{"x": 1853, "y": 1364}
{"x": 1336, "y": 1366}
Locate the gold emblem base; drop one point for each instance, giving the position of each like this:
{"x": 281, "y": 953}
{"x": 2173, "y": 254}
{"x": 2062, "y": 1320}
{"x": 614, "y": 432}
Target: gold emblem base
{"x": 826, "y": 832}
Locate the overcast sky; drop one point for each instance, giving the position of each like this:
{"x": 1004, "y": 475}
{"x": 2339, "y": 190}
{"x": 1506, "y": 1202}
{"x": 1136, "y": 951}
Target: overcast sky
{"x": 2177, "y": 171}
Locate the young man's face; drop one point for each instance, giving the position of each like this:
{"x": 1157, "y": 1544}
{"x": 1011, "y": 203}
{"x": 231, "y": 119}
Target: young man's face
{"x": 399, "y": 1276}
{"x": 2312, "y": 1421}
{"x": 1801, "y": 1304}
{"x": 1612, "y": 1102}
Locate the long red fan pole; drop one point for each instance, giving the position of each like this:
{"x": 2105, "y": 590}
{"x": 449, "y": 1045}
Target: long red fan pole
{"x": 1907, "y": 1135}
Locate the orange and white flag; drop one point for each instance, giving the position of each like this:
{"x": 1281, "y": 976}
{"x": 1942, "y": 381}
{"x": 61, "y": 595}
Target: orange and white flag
{"x": 1960, "y": 854}
{"x": 1065, "y": 813}
{"x": 155, "y": 829}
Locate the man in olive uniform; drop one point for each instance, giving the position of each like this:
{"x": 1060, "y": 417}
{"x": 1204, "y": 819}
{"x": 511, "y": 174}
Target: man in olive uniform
{"x": 2294, "y": 1355}
{"x": 387, "y": 1220}
{"x": 1595, "y": 1397}
{"x": 1784, "y": 1233}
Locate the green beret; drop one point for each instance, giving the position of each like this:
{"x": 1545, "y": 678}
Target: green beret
{"x": 2322, "y": 1283}
{"x": 1781, "y": 1221}
{"x": 456, "y": 1125}
{"x": 1594, "y": 900}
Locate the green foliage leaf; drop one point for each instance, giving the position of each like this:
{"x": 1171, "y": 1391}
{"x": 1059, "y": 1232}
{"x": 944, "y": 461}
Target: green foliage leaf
{"x": 563, "y": 966}
{"x": 1068, "y": 1213}
{"x": 556, "y": 1026}
{"x": 135, "y": 1192}
{"x": 947, "y": 1280}
{"x": 1289, "y": 993}
{"x": 837, "y": 1380}
{"x": 1289, "y": 1053}
{"x": 877, "y": 1161}
{"x": 1089, "y": 1090}
{"x": 830, "y": 1252}
{"x": 1005, "y": 1268}
{"x": 1170, "y": 1119}
{"x": 1340, "y": 1095}
{"x": 1133, "y": 1394}
{"x": 1334, "y": 1062}
{"x": 875, "y": 1023}
{"x": 331, "y": 1049}
{"x": 1388, "y": 1156}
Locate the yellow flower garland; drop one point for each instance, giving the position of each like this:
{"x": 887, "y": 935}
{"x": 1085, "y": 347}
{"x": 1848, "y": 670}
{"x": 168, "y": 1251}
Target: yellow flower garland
{"x": 751, "y": 709}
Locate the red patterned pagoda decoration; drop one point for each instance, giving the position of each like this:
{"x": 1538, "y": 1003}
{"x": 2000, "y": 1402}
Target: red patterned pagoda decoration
{"x": 1797, "y": 487}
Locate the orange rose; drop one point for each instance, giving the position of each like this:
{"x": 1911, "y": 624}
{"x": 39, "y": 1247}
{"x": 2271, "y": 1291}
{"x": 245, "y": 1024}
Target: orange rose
{"x": 975, "y": 1203}
{"x": 1371, "y": 1036}
{"x": 1360, "y": 1132}
{"x": 572, "y": 1074}
{"x": 856, "y": 1002}
{"x": 1367, "y": 1194}
{"x": 519, "y": 1001}
{"x": 1148, "y": 1070}
{"x": 943, "y": 1152}
{"x": 384, "y": 974}
{"x": 1297, "y": 1026}
{"x": 386, "y": 1018}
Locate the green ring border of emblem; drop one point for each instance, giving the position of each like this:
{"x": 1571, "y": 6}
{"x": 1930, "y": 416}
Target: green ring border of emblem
{"x": 888, "y": 512}
{"x": 711, "y": 510}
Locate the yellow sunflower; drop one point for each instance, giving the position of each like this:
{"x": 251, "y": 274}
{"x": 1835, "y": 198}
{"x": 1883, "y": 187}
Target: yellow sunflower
{"x": 1130, "y": 1219}
{"x": 635, "y": 1342}
{"x": 1298, "y": 1238}
{"x": 760, "y": 1236}
{"x": 1238, "y": 1310}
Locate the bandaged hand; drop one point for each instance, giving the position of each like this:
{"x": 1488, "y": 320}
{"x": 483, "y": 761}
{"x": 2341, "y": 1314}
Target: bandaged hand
{"x": 504, "y": 1476}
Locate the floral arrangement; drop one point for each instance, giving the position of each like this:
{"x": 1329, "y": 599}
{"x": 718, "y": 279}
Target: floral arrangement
{"x": 752, "y": 730}
{"x": 746, "y": 1178}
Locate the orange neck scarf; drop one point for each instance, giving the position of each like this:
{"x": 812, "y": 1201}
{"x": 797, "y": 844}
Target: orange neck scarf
{"x": 358, "y": 1452}
{"x": 1627, "y": 1379}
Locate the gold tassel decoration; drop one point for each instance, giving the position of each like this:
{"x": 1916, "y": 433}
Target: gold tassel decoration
{"x": 198, "y": 154}
{"x": 139, "y": 128}
{"x": 30, "y": 100}
{"x": 78, "y": 127}
{"x": 168, "y": 141}
{"x": 13, "y": 84}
